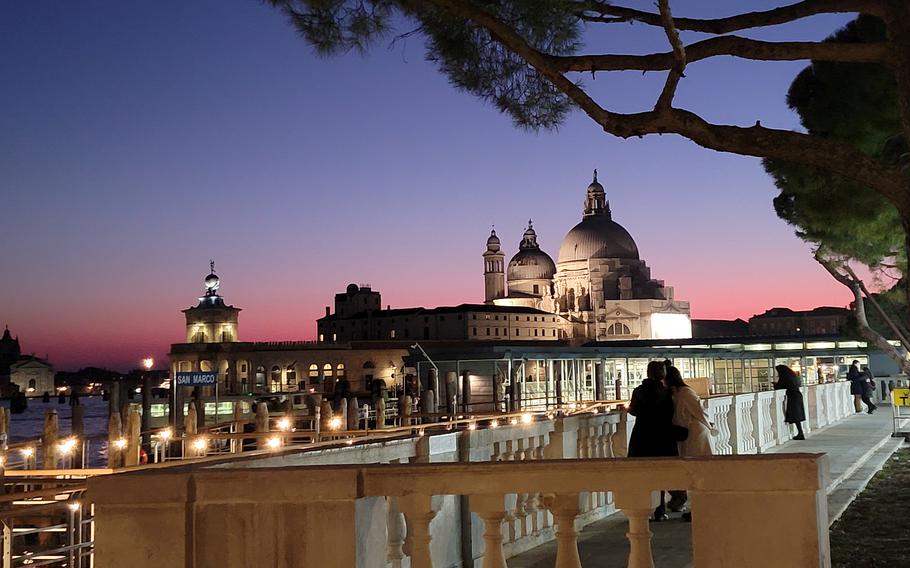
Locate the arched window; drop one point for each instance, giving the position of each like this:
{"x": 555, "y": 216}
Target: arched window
{"x": 339, "y": 370}
{"x": 619, "y": 329}
{"x": 291, "y": 376}
{"x": 32, "y": 384}
{"x": 327, "y": 370}
{"x": 205, "y": 366}
{"x": 314, "y": 370}
{"x": 260, "y": 376}
{"x": 275, "y": 378}
{"x": 369, "y": 365}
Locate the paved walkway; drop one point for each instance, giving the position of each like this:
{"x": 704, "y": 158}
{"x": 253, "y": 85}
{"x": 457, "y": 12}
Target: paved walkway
{"x": 857, "y": 446}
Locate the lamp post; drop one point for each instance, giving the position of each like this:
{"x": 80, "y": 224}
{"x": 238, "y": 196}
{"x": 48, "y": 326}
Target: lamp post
{"x": 147, "y": 364}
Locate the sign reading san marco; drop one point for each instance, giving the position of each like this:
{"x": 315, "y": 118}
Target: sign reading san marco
{"x": 196, "y": 379}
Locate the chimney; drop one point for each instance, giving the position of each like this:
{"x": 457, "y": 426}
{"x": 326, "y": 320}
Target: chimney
{"x": 388, "y": 307}
{"x": 327, "y": 312}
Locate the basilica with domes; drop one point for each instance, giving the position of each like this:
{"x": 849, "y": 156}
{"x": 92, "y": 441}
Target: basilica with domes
{"x": 599, "y": 284}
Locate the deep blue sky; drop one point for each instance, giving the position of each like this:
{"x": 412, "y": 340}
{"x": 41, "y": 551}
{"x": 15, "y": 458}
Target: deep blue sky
{"x": 137, "y": 140}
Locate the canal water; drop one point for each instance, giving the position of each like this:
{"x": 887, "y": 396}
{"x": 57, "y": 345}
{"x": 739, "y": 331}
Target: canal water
{"x": 30, "y": 424}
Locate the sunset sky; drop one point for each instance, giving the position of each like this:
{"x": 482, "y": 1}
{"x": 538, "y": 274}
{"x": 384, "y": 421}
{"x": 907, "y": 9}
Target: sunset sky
{"x": 140, "y": 139}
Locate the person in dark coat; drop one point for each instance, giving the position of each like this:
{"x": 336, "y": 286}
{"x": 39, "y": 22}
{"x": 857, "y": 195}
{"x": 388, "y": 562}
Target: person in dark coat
{"x": 868, "y": 385}
{"x": 652, "y": 435}
{"x": 794, "y": 410}
{"x": 856, "y": 385}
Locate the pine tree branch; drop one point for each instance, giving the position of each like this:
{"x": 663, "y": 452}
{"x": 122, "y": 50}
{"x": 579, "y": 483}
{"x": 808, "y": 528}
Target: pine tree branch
{"x": 757, "y": 140}
{"x": 735, "y": 46}
{"x": 608, "y": 13}
{"x": 665, "y": 101}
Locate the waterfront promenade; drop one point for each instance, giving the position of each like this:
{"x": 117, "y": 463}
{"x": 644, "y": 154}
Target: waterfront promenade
{"x": 856, "y": 446}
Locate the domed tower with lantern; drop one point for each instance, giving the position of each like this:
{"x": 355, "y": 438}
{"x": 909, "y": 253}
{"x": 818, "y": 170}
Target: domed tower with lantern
{"x": 211, "y": 320}
{"x": 494, "y": 282}
{"x": 530, "y": 272}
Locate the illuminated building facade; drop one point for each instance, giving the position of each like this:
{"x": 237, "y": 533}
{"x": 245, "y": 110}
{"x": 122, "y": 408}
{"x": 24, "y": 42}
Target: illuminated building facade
{"x": 599, "y": 286}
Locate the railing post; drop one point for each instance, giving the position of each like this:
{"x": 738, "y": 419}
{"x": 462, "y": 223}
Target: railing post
{"x": 637, "y": 506}
{"x": 565, "y": 508}
{"x": 491, "y": 508}
{"x": 395, "y": 533}
{"x": 418, "y": 510}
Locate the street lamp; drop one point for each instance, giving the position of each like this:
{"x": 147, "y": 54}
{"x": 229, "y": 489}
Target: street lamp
{"x": 147, "y": 364}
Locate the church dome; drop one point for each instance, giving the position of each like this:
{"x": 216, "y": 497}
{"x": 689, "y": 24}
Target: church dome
{"x": 597, "y": 237}
{"x": 530, "y": 263}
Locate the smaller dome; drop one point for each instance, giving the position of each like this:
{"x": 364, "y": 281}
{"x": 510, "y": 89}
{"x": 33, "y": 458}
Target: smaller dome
{"x": 352, "y": 288}
{"x": 212, "y": 282}
{"x": 531, "y": 264}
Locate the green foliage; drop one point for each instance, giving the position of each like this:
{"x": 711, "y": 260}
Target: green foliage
{"x": 464, "y": 52}
{"x": 857, "y": 104}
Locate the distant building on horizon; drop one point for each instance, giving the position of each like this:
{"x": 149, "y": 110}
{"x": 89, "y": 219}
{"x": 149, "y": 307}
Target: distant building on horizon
{"x": 358, "y": 316}
{"x": 824, "y": 320}
{"x": 33, "y": 375}
{"x": 777, "y": 322}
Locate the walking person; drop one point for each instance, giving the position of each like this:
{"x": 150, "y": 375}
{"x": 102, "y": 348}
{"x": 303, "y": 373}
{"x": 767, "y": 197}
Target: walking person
{"x": 652, "y": 436}
{"x": 794, "y": 410}
{"x": 856, "y": 385}
{"x": 868, "y": 384}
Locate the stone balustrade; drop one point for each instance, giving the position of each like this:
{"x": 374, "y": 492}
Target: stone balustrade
{"x": 340, "y": 515}
{"x": 445, "y": 525}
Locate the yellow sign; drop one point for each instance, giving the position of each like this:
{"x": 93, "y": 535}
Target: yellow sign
{"x": 901, "y": 397}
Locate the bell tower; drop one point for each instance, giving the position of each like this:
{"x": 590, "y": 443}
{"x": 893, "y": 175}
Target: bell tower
{"x": 211, "y": 321}
{"x": 494, "y": 279}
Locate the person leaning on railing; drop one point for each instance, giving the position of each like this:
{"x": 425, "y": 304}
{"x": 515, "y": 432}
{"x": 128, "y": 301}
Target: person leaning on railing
{"x": 794, "y": 410}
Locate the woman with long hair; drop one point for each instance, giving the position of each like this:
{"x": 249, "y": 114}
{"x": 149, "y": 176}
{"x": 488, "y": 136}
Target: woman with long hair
{"x": 794, "y": 410}
{"x": 690, "y": 414}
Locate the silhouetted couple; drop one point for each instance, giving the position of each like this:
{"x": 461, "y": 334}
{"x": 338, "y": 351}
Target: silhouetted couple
{"x": 794, "y": 409}
{"x": 669, "y": 421}
{"x": 861, "y": 387}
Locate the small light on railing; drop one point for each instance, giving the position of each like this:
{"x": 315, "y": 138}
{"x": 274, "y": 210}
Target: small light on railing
{"x": 73, "y": 506}
{"x": 420, "y": 432}
{"x": 335, "y": 423}
{"x": 120, "y": 443}
{"x": 200, "y": 443}
{"x": 513, "y": 421}
{"x": 273, "y": 442}
{"x": 27, "y": 452}
{"x": 283, "y": 424}
{"x": 349, "y": 442}
{"x": 66, "y": 446}
{"x": 494, "y": 424}
{"x": 165, "y": 434}
{"x": 526, "y": 418}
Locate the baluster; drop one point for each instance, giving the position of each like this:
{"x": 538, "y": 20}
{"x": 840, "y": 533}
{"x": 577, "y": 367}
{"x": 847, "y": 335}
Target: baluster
{"x": 491, "y": 509}
{"x": 521, "y": 501}
{"x": 541, "y": 454}
{"x": 396, "y": 531}
{"x": 637, "y": 506}
{"x": 419, "y": 511}
{"x": 565, "y": 508}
